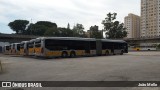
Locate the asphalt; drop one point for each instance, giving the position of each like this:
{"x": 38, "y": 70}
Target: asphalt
{"x": 134, "y": 66}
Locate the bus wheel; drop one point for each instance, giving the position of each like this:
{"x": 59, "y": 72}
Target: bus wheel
{"x": 107, "y": 53}
{"x": 64, "y": 54}
{"x": 73, "y": 54}
{"x": 121, "y": 52}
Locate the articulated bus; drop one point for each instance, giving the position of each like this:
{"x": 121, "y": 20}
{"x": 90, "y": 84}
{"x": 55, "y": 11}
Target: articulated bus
{"x": 6, "y": 49}
{"x": 24, "y": 48}
{"x": 72, "y": 46}
{"x": 15, "y": 50}
{"x": 31, "y": 47}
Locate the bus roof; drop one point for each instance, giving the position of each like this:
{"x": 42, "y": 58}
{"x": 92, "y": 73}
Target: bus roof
{"x": 110, "y": 40}
{"x": 32, "y": 40}
{"x": 6, "y": 45}
{"x": 16, "y": 43}
{"x": 24, "y": 41}
{"x": 67, "y": 38}
{"x": 78, "y": 38}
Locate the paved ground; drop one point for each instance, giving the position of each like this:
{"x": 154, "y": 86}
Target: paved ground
{"x": 134, "y": 66}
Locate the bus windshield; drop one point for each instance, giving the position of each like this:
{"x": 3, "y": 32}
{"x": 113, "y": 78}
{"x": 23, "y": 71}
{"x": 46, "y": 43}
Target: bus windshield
{"x": 7, "y": 47}
{"x": 31, "y": 44}
{"x": 38, "y": 43}
{"x": 22, "y": 45}
{"x": 18, "y": 47}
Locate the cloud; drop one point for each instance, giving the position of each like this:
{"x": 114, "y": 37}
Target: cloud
{"x": 86, "y": 12}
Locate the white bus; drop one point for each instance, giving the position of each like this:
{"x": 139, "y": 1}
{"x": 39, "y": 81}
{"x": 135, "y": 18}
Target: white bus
{"x": 24, "y": 48}
{"x": 144, "y": 48}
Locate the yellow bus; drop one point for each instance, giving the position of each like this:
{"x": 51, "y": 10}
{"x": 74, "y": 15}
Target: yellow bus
{"x": 6, "y": 49}
{"x": 15, "y": 49}
{"x": 31, "y": 48}
{"x": 144, "y": 48}
{"x": 73, "y": 46}
{"x": 24, "y": 48}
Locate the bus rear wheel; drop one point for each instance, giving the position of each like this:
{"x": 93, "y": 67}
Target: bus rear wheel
{"x": 121, "y": 52}
{"x": 72, "y": 54}
{"x": 64, "y": 54}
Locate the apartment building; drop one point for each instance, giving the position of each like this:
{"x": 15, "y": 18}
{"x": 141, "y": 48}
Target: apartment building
{"x": 150, "y": 18}
{"x": 132, "y": 25}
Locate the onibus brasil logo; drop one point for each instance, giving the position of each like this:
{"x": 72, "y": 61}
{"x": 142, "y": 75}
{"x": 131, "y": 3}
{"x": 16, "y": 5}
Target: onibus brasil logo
{"x": 24, "y": 84}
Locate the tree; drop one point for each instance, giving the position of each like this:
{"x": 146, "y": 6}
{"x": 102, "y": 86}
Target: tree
{"x": 95, "y": 33}
{"x": 47, "y": 24}
{"x": 113, "y": 29}
{"x": 68, "y": 26}
{"x": 52, "y": 32}
{"x": 48, "y": 32}
{"x": 18, "y": 26}
{"x": 42, "y": 28}
{"x": 64, "y": 32}
{"x": 38, "y": 30}
{"x": 158, "y": 46}
{"x": 78, "y": 30}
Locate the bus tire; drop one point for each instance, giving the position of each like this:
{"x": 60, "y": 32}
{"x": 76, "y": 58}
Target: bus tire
{"x": 72, "y": 54}
{"x": 107, "y": 53}
{"x": 64, "y": 54}
{"x": 121, "y": 52}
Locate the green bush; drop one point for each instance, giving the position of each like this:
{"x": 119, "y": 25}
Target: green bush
{"x": 158, "y": 46}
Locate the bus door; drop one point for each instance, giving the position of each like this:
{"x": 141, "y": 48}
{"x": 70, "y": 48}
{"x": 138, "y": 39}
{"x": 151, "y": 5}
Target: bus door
{"x": 125, "y": 47}
{"x": 87, "y": 47}
{"x": 18, "y": 49}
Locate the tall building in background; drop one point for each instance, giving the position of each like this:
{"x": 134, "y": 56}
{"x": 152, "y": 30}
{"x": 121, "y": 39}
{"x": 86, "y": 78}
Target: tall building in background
{"x": 132, "y": 25}
{"x": 150, "y": 18}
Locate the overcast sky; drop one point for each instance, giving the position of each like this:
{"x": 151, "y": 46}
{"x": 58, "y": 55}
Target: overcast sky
{"x": 62, "y": 12}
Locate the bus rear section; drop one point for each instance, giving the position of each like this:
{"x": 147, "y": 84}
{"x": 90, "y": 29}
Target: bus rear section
{"x": 65, "y": 47}
{"x": 111, "y": 47}
{"x": 31, "y": 47}
{"x": 24, "y": 48}
{"x": 119, "y": 48}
